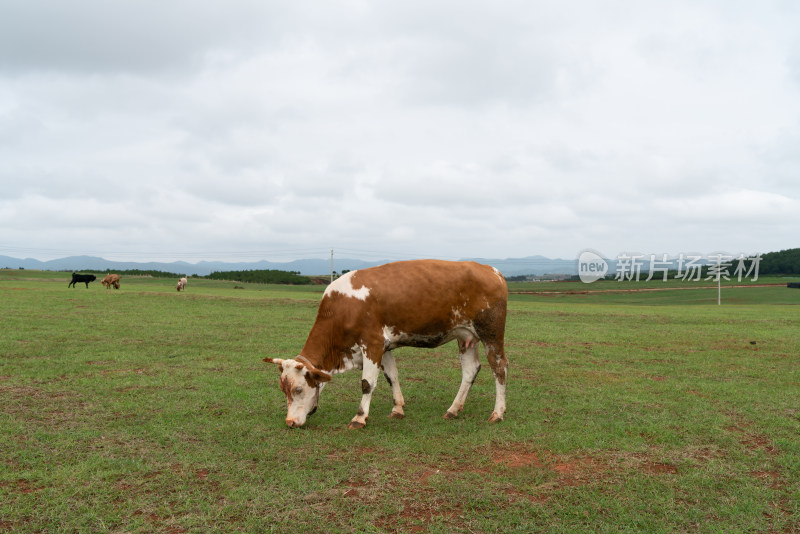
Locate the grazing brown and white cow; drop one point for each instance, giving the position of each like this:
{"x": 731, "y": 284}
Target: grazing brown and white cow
{"x": 111, "y": 280}
{"x": 181, "y": 284}
{"x": 365, "y": 314}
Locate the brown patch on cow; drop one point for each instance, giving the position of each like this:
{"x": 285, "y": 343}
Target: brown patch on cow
{"x": 286, "y": 386}
{"x": 365, "y": 388}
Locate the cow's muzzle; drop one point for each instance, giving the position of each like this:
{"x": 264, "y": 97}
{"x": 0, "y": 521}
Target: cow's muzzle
{"x": 291, "y": 423}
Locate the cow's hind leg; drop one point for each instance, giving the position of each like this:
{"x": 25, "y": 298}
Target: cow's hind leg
{"x": 468, "y": 354}
{"x": 499, "y": 364}
{"x": 390, "y": 372}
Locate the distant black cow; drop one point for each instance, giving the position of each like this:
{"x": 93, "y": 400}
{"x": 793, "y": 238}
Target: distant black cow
{"x": 82, "y": 278}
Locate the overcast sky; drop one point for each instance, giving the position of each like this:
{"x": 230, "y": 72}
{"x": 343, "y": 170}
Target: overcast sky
{"x": 246, "y": 130}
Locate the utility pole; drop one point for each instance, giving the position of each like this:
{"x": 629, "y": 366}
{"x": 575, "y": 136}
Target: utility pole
{"x": 331, "y": 266}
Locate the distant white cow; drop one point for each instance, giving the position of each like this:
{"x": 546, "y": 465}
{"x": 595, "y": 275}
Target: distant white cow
{"x": 182, "y": 283}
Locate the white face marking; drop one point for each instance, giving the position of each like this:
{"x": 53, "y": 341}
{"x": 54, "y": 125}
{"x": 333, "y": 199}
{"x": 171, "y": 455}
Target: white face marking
{"x": 300, "y": 396}
{"x": 344, "y": 285}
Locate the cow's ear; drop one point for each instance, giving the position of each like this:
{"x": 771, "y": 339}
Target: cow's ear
{"x": 277, "y": 361}
{"x": 319, "y": 376}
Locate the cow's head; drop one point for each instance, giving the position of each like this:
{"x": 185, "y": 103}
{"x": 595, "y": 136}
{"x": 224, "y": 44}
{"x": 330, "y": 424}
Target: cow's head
{"x": 301, "y": 383}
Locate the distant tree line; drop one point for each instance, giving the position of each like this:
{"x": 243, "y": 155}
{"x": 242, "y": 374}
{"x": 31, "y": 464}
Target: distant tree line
{"x": 783, "y": 262}
{"x": 262, "y": 276}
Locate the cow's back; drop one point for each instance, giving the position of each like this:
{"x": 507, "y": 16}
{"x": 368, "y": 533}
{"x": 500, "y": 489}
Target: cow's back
{"x": 430, "y": 294}
{"x": 420, "y": 302}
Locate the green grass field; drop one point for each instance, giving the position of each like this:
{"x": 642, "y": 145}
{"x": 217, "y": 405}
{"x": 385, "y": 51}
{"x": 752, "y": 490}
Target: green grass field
{"x": 148, "y": 410}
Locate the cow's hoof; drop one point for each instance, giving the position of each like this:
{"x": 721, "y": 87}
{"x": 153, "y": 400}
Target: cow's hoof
{"x": 450, "y": 415}
{"x": 495, "y": 418}
{"x": 355, "y": 425}
{"x": 396, "y": 415}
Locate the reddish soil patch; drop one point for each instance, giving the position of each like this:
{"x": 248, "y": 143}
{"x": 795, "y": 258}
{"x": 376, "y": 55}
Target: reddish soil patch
{"x": 579, "y": 471}
{"x": 517, "y": 459}
{"x": 423, "y": 478}
{"x": 658, "y": 468}
{"x": 355, "y": 488}
{"x": 773, "y": 477}
{"x": 415, "y": 516}
{"x": 752, "y": 440}
{"x": 24, "y": 486}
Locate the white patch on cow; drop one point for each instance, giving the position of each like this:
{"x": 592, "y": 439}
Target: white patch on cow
{"x": 371, "y": 368}
{"x": 344, "y": 286}
{"x": 498, "y": 273}
{"x": 389, "y": 334}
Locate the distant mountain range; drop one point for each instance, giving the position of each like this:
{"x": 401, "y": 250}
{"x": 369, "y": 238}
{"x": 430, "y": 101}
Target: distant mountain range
{"x": 533, "y": 265}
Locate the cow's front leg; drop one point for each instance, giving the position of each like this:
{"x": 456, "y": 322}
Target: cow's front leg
{"x": 390, "y": 371}
{"x": 369, "y": 379}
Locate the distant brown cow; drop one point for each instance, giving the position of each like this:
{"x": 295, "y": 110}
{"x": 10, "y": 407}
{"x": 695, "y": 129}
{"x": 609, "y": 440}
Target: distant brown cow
{"x": 111, "y": 280}
{"x": 182, "y": 283}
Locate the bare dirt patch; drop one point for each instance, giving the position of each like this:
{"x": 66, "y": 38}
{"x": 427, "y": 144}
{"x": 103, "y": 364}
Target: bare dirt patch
{"x": 518, "y": 459}
{"x": 659, "y": 468}
{"x": 752, "y": 440}
{"x": 21, "y": 485}
{"x": 416, "y": 515}
{"x": 772, "y": 477}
